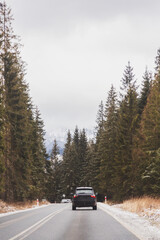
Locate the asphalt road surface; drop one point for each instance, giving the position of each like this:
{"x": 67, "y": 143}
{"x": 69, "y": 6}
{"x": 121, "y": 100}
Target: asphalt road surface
{"x": 59, "y": 222}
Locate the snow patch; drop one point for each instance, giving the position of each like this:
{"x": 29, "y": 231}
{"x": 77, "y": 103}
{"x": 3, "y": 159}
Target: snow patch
{"x": 138, "y": 225}
{"x": 12, "y": 211}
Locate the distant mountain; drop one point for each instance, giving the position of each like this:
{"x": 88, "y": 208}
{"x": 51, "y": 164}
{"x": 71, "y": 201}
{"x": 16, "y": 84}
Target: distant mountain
{"x": 61, "y": 135}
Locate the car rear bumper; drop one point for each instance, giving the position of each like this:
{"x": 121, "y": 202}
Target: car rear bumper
{"x": 84, "y": 203}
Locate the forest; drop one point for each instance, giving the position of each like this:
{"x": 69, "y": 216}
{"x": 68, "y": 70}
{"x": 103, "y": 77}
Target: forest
{"x": 122, "y": 161}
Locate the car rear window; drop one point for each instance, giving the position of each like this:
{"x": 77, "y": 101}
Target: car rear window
{"x": 84, "y": 191}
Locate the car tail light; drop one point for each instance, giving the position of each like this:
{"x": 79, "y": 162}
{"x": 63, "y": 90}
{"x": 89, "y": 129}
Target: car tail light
{"x": 93, "y": 196}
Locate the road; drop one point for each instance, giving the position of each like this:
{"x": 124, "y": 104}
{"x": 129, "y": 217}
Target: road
{"x": 59, "y": 222}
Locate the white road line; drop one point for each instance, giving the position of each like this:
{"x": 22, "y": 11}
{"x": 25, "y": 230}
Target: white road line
{"x": 36, "y": 225}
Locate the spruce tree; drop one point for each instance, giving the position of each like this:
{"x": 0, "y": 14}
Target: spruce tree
{"x": 107, "y": 146}
{"x": 22, "y": 151}
{"x": 38, "y": 163}
{"x": 67, "y": 167}
{"x": 100, "y": 122}
{"x": 2, "y": 134}
{"x": 97, "y": 158}
{"x": 151, "y": 176}
{"x": 150, "y": 124}
{"x": 74, "y": 165}
{"x": 82, "y": 157}
{"x": 76, "y": 138}
{"x": 126, "y": 126}
{"x": 157, "y": 63}
{"x": 56, "y": 176}
{"x": 149, "y": 140}
{"x": 146, "y": 86}
{"x": 128, "y": 80}
{"x": 90, "y": 178}
{"x": 16, "y": 103}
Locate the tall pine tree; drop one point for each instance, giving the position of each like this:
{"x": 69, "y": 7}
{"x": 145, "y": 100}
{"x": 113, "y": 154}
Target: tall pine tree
{"x": 149, "y": 140}
{"x": 16, "y": 104}
{"x": 107, "y": 146}
{"x": 127, "y": 125}
{"x": 56, "y": 173}
{"x": 146, "y": 85}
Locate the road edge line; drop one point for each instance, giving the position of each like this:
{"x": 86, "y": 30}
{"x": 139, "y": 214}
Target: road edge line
{"x": 121, "y": 222}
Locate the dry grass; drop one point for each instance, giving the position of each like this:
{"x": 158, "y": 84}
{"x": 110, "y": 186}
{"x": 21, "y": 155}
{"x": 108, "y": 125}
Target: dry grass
{"x": 139, "y": 205}
{"x": 146, "y": 207}
{"x": 11, "y": 207}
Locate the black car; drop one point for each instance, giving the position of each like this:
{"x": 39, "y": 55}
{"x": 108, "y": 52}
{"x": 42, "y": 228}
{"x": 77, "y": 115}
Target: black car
{"x": 84, "y": 197}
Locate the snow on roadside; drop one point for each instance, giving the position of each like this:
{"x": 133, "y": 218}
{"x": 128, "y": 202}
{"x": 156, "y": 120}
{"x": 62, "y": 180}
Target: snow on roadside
{"x": 12, "y": 211}
{"x": 138, "y": 225}
{"x": 141, "y": 226}
{"x": 153, "y": 215}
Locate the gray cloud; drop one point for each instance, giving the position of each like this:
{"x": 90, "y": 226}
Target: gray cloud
{"x": 62, "y": 16}
{"x": 75, "y": 50}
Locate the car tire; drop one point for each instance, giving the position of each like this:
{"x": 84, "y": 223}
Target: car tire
{"x": 95, "y": 207}
{"x": 73, "y": 208}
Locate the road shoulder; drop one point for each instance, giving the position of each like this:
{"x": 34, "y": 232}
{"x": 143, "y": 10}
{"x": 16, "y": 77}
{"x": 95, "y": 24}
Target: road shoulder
{"x": 139, "y": 226}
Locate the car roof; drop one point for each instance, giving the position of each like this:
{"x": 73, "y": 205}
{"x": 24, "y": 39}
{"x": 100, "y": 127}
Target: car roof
{"x": 84, "y": 188}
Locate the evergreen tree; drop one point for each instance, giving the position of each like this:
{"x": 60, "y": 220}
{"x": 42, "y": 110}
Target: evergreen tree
{"x": 157, "y": 62}
{"x": 56, "y": 176}
{"x": 151, "y": 176}
{"x": 16, "y": 103}
{"x": 22, "y": 151}
{"x": 75, "y": 159}
{"x": 138, "y": 154}
{"x": 89, "y": 166}
{"x": 99, "y": 132}
{"x": 2, "y": 164}
{"x": 149, "y": 139}
{"x": 38, "y": 163}
{"x": 107, "y": 146}
{"x": 67, "y": 167}
{"x": 150, "y": 124}
{"x": 146, "y": 85}
{"x": 127, "y": 125}
{"x": 128, "y": 81}
{"x": 82, "y": 157}
{"x": 100, "y": 122}
{"x": 76, "y": 139}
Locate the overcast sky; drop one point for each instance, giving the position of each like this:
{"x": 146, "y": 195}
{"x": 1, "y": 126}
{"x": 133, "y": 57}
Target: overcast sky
{"x": 75, "y": 50}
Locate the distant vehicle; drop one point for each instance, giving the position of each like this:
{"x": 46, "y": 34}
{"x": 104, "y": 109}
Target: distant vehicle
{"x": 84, "y": 197}
{"x": 66, "y": 200}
